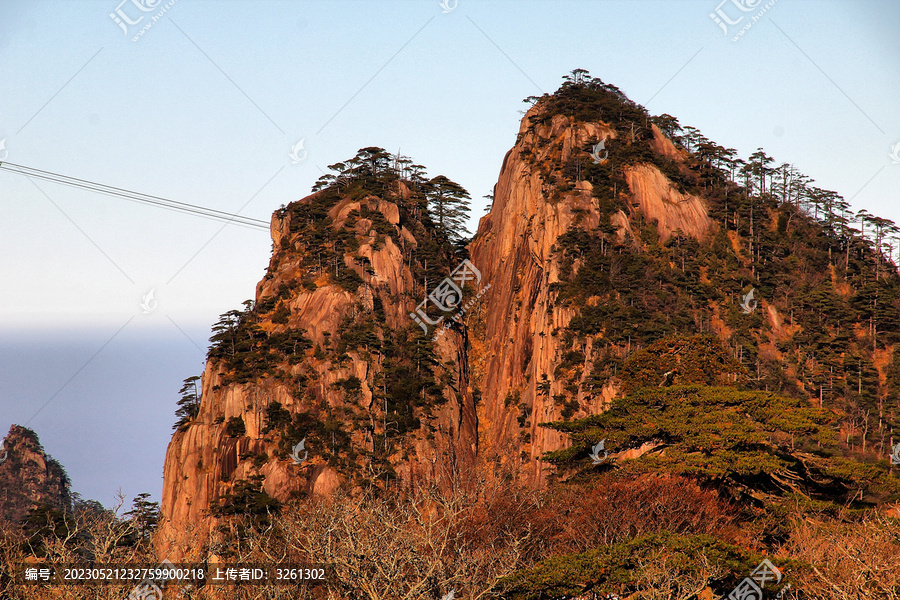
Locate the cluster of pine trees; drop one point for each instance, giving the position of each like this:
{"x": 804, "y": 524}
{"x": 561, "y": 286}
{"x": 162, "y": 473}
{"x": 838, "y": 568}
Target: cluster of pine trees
{"x": 446, "y": 200}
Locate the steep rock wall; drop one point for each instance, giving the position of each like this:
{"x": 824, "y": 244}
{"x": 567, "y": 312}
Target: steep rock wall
{"x": 520, "y": 346}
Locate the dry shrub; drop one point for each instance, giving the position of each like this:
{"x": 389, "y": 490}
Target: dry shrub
{"x": 99, "y": 536}
{"x": 664, "y": 577}
{"x": 858, "y": 559}
{"x": 421, "y": 545}
{"x": 466, "y": 536}
{"x": 425, "y": 541}
{"x": 422, "y": 542}
{"x": 610, "y": 510}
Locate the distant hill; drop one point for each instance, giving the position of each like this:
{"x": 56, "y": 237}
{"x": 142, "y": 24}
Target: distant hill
{"x": 29, "y": 478}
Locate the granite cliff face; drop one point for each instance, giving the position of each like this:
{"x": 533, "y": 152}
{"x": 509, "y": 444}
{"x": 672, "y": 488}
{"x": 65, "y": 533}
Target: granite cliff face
{"x": 518, "y": 351}
{"x": 29, "y": 477}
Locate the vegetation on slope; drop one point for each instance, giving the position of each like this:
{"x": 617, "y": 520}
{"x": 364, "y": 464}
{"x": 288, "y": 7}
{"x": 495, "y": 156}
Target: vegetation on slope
{"x": 785, "y": 409}
{"x": 827, "y": 323}
{"x": 262, "y": 343}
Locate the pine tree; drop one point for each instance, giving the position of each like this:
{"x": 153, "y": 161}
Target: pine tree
{"x": 448, "y": 203}
{"x": 759, "y": 167}
{"x": 577, "y": 77}
{"x": 668, "y": 125}
{"x": 189, "y": 405}
{"x": 225, "y": 334}
{"x": 144, "y": 515}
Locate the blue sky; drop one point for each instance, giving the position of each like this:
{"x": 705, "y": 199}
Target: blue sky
{"x": 205, "y": 107}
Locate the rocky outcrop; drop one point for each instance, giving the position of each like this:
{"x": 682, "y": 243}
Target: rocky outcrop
{"x": 514, "y": 249}
{"x": 331, "y": 386}
{"x": 607, "y": 249}
{"x": 658, "y": 199}
{"x": 664, "y": 146}
{"x": 29, "y": 477}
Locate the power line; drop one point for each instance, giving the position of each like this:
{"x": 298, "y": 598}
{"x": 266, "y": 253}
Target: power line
{"x": 158, "y": 201}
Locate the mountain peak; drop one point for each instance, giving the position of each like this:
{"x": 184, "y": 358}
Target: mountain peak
{"x": 29, "y": 477}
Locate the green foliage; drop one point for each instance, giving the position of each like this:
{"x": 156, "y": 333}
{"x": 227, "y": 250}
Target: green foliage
{"x": 752, "y": 442}
{"x": 144, "y": 516}
{"x": 281, "y": 315}
{"x": 235, "y": 427}
{"x": 631, "y": 311}
{"x": 189, "y": 404}
{"x": 348, "y": 279}
{"x": 326, "y": 436}
{"x": 249, "y": 500}
{"x": 43, "y": 523}
{"x": 277, "y": 417}
{"x": 619, "y": 569}
{"x": 409, "y": 388}
{"x": 449, "y": 203}
{"x": 248, "y": 351}
{"x": 698, "y": 359}
{"x": 432, "y": 210}
{"x": 590, "y": 99}
{"x": 361, "y": 332}
{"x": 352, "y": 386}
